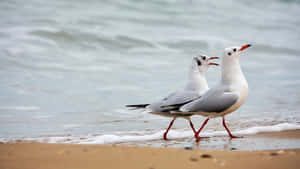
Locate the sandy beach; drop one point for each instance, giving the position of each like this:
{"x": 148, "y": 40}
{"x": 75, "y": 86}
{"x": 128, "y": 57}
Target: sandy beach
{"x": 43, "y": 156}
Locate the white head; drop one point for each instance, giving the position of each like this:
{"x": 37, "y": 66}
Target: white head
{"x": 233, "y": 53}
{"x": 197, "y": 80}
{"x": 202, "y": 62}
{"x": 231, "y": 70}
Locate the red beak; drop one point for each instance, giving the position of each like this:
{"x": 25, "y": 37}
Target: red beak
{"x": 211, "y": 63}
{"x": 213, "y": 58}
{"x": 245, "y": 47}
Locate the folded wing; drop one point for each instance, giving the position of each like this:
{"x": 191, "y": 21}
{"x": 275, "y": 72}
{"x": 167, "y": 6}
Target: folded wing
{"x": 177, "y": 98}
{"x": 214, "y": 101}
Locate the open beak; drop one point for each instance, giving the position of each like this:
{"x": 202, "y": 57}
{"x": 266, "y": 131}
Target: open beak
{"x": 212, "y": 63}
{"x": 245, "y": 47}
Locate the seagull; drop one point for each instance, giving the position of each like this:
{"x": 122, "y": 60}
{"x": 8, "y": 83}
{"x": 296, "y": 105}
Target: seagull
{"x": 196, "y": 86}
{"x": 226, "y": 97}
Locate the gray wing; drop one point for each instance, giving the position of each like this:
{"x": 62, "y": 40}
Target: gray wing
{"x": 180, "y": 97}
{"x": 173, "y": 99}
{"x": 215, "y": 100}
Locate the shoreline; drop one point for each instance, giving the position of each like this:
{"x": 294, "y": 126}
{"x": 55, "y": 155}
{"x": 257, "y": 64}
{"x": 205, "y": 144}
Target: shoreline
{"x": 177, "y": 138}
{"x": 28, "y": 155}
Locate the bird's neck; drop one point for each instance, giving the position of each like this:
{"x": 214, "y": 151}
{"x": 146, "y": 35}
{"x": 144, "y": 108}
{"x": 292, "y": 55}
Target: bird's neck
{"x": 232, "y": 74}
{"x": 197, "y": 81}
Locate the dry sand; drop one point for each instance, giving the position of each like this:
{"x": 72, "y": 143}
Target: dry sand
{"x": 65, "y": 156}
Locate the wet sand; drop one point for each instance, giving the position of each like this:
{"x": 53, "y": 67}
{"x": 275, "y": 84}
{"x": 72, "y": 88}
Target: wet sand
{"x": 62, "y": 156}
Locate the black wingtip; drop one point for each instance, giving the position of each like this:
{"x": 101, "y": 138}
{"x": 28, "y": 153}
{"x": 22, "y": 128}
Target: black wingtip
{"x": 137, "y": 106}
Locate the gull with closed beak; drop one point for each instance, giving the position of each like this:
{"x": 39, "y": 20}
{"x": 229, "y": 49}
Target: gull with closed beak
{"x": 226, "y": 97}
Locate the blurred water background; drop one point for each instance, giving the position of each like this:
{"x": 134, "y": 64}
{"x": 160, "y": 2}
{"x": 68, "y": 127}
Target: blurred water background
{"x": 67, "y": 68}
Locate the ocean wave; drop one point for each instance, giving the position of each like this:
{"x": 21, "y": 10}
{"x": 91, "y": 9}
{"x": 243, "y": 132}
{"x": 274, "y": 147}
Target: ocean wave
{"x": 139, "y": 136}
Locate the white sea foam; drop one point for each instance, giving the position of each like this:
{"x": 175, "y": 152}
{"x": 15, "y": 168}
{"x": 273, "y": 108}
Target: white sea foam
{"x": 134, "y": 137}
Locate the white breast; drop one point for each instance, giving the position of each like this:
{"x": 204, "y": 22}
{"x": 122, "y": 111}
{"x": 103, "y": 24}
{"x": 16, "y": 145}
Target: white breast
{"x": 243, "y": 92}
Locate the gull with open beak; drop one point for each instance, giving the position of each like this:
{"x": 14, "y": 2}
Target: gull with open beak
{"x": 226, "y": 97}
{"x": 196, "y": 86}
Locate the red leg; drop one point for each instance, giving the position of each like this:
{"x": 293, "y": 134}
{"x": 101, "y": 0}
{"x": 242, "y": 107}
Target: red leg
{"x": 166, "y": 132}
{"x": 197, "y": 133}
{"x": 228, "y": 131}
{"x": 192, "y": 126}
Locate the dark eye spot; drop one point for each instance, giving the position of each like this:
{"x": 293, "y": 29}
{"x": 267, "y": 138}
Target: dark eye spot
{"x": 203, "y": 57}
{"x": 229, "y": 53}
{"x": 198, "y": 62}
{"x": 234, "y": 49}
